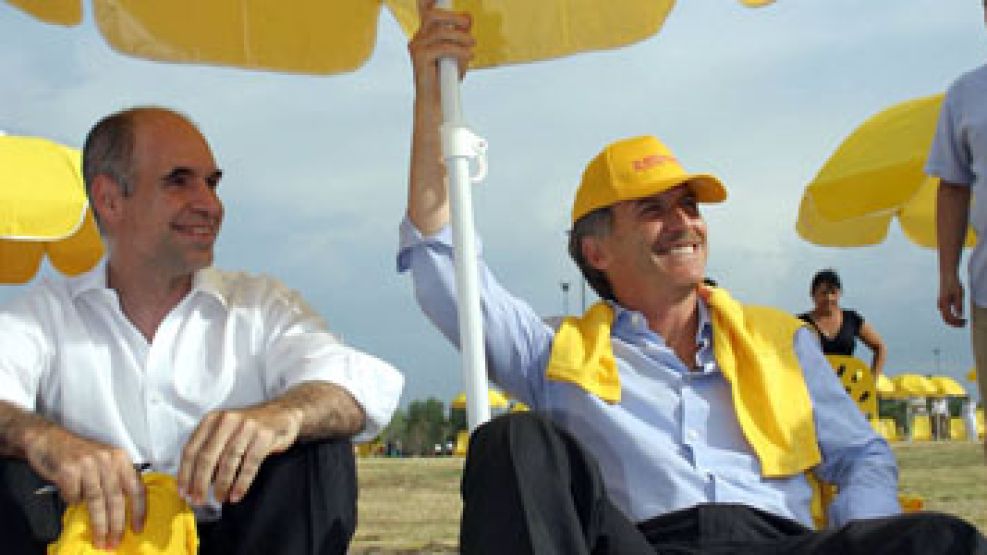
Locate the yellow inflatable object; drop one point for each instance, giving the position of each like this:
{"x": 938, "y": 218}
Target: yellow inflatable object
{"x": 168, "y": 530}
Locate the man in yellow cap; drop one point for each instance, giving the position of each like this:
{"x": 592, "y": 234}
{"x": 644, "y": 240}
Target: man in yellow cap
{"x": 227, "y": 381}
{"x": 669, "y": 417}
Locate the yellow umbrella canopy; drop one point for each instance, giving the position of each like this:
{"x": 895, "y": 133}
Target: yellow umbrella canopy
{"x": 876, "y": 175}
{"x": 497, "y": 400}
{"x": 43, "y": 210}
{"x": 326, "y": 37}
{"x": 972, "y": 374}
{"x": 913, "y": 385}
{"x": 947, "y": 386}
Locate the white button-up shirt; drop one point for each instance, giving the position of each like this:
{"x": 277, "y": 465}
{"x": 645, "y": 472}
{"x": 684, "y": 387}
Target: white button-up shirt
{"x": 69, "y": 353}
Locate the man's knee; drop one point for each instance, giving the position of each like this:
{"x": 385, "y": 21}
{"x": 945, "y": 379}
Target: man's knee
{"x": 509, "y": 432}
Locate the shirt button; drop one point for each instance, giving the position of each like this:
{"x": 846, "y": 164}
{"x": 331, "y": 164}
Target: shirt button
{"x": 693, "y": 435}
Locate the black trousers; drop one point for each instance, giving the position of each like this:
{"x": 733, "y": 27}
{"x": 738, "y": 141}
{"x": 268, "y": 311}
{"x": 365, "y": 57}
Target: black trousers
{"x": 303, "y": 501}
{"x": 529, "y": 487}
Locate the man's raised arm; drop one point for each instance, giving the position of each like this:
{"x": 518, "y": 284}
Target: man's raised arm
{"x": 441, "y": 34}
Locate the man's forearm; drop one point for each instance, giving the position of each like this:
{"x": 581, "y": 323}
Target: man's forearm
{"x": 18, "y": 429}
{"x": 325, "y": 410}
{"x": 952, "y": 215}
{"x": 428, "y": 195}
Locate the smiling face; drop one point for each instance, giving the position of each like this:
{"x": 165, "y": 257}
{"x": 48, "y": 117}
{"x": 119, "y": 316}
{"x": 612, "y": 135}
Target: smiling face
{"x": 171, "y": 219}
{"x": 826, "y": 297}
{"x": 656, "y": 243}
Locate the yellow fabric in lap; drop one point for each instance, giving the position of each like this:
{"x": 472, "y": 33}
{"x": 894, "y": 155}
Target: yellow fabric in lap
{"x": 168, "y": 530}
{"x": 754, "y": 348}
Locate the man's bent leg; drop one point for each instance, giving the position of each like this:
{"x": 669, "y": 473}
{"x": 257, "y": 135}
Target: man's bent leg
{"x": 922, "y": 533}
{"x": 303, "y": 501}
{"x": 29, "y": 521}
{"x": 529, "y": 487}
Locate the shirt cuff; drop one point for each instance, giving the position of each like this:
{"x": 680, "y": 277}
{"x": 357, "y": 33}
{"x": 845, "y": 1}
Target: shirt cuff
{"x": 410, "y": 238}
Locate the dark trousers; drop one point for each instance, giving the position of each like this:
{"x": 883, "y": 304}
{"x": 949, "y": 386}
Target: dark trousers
{"x": 303, "y": 501}
{"x": 529, "y": 487}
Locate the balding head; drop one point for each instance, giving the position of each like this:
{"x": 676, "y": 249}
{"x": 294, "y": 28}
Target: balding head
{"x": 109, "y": 148}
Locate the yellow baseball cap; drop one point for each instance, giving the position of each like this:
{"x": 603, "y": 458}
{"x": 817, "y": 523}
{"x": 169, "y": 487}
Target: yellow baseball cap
{"x": 636, "y": 168}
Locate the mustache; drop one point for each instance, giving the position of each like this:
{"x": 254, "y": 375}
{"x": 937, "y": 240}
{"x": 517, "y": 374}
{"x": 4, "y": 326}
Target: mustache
{"x": 678, "y": 238}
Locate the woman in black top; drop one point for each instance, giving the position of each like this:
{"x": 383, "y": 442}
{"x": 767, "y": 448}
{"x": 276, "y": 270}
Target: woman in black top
{"x": 839, "y": 328}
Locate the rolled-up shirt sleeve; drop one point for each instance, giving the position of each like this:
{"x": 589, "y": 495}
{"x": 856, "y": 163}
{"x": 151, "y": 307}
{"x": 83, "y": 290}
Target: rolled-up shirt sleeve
{"x": 301, "y": 349}
{"x": 517, "y": 341}
{"x": 854, "y": 458}
{"x": 949, "y": 156}
{"x": 25, "y": 351}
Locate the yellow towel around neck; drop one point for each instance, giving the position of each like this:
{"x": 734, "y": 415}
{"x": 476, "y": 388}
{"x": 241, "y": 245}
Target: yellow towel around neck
{"x": 754, "y": 348}
{"x": 168, "y": 530}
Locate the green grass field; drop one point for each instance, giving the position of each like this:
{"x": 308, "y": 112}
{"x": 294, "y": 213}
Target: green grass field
{"x": 412, "y": 505}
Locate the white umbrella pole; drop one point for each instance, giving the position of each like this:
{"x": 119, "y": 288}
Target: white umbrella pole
{"x": 459, "y": 146}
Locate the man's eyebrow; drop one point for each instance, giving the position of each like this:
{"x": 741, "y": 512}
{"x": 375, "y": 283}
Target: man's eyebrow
{"x": 178, "y": 172}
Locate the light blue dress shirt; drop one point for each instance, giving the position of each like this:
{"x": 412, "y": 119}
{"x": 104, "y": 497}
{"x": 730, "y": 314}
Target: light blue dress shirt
{"x": 673, "y": 440}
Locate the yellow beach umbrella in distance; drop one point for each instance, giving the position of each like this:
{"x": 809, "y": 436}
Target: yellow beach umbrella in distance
{"x": 497, "y": 400}
{"x": 884, "y": 386}
{"x": 913, "y": 385}
{"x": 972, "y": 374}
{"x": 874, "y": 176}
{"x": 947, "y": 386}
{"x": 43, "y": 209}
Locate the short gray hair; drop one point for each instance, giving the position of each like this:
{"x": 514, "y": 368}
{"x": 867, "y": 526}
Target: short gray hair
{"x": 597, "y": 223}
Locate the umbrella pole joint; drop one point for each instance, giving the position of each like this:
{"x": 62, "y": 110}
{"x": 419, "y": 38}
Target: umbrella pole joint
{"x": 459, "y": 141}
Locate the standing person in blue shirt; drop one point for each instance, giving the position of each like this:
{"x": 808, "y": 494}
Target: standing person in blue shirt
{"x": 838, "y": 328}
{"x": 959, "y": 159}
{"x": 670, "y": 417}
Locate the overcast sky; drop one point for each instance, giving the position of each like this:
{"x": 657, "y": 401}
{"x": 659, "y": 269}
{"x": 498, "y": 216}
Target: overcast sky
{"x": 315, "y": 167}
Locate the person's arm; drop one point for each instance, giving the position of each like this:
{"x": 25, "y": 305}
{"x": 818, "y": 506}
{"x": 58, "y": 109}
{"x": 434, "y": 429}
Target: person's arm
{"x": 228, "y": 446}
{"x": 517, "y": 341}
{"x": 872, "y": 339}
{"x": 83, "y": 470}
{"x": 101, "y": 476}
{"x": 952, "y": 215}
{"x": 441, "y": 34}
{"x": 315, "y": 388}
{"x": 854, "y": 457}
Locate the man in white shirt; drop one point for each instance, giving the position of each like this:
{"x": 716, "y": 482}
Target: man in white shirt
{"x": 226, "y": 380}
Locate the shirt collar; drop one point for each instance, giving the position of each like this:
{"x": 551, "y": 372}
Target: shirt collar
{"x": 633, "y": 321}
{"x": 207, "y": 280}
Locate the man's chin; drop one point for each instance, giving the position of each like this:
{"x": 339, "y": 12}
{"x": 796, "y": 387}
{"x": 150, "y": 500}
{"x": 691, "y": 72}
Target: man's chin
{"x": 199, "y": 261}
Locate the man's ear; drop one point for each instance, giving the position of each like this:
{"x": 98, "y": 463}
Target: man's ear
{"x": 107, "y": 199}
{"x": 595, "y": 252}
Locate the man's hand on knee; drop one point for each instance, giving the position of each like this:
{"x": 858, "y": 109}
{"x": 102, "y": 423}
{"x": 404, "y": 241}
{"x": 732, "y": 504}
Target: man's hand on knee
{"x": 228, "y": 447}
{"x": 101, "y": 476}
